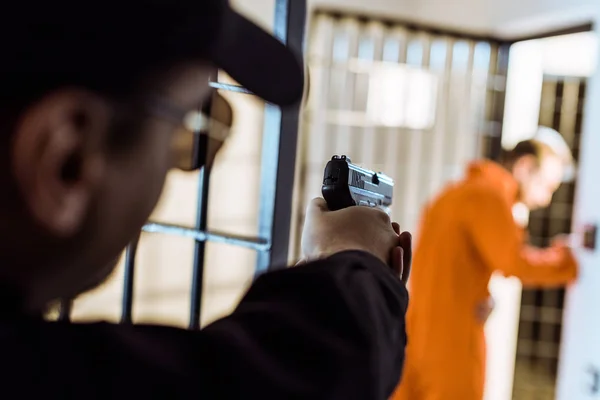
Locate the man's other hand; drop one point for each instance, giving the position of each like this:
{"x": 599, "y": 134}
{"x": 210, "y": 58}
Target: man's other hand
{"x": 355, "y": 228}
{"x": 485, "y": 309}
{"x": 564, "y": 240}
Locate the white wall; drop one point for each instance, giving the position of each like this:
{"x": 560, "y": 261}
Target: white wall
{"x": 581, "y": 331}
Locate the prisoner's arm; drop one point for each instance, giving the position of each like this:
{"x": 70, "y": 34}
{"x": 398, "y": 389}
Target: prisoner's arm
{"x": 497, "y": 240}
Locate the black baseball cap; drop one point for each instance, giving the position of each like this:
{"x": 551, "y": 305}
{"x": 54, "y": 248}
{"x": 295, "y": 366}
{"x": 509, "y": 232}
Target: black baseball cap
{"x": 106, "y": 45}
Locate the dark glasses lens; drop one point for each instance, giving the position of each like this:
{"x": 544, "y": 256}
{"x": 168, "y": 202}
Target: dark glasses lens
{"x": 202, "y": 134}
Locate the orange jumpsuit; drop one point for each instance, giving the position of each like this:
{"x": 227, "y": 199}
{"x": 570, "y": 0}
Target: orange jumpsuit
{"x": 467, "y": 233}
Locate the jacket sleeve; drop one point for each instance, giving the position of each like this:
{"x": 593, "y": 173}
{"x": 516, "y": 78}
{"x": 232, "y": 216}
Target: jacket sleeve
{"x": 498, "y": 241}
{"x": 330, "y": 329}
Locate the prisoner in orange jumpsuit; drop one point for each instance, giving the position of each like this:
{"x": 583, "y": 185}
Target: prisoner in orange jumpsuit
{"x": 467, "y": 233}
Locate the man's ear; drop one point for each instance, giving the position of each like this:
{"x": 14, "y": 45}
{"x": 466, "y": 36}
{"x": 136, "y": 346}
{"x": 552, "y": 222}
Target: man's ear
{"x": 58, "y": 158}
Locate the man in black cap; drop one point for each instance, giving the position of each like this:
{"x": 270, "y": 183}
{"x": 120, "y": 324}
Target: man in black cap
{"x": 92, "y": 97}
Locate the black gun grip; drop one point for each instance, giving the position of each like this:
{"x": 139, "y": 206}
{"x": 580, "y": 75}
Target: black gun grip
{"x": 337, "y": 198}
{"x": 335, "y": 190}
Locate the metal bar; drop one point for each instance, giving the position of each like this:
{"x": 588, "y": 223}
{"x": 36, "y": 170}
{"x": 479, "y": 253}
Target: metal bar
{"x": 258, "y": 244}
{"x": 128, "y": 282}
{"x": 229, "y": 88}
{"x": 310, "y": 148}
{"x": 199, "y": 250}
{"x": 342, "y": 139}
{"x": 200, "y": 155}
{"x": 497, "y": 118}
{"x": 443, "y": 114}
{"x": 279, "y": 149}
{"x": 414, "y": 172}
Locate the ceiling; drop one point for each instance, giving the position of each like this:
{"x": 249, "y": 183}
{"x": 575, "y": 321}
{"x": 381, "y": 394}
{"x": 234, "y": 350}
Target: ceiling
{"x": 507, "y": 19}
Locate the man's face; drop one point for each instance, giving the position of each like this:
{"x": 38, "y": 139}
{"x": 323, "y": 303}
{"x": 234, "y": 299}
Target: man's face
{"x": 538, "y": 182}
{"x": 86, "y": 196}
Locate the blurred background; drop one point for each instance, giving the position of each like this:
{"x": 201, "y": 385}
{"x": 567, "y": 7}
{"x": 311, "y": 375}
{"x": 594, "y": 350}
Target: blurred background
{"x": 416, "y": 89}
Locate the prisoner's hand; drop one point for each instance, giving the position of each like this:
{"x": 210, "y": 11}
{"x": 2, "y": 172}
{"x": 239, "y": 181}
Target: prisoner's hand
{"x": 355, "y": 228}
{"x": 485, "y": 309}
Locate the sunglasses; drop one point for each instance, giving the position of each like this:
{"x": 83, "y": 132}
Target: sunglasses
{"x": 200, "y": 133}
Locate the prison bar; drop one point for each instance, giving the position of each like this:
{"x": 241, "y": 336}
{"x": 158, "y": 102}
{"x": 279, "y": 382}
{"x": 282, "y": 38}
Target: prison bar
{"x": 280, "y": 136}
{"x": 228, "y": 87}
{"x": 199, "y": 251}
{"x": 497, "y": 108}
{"x": 200, "y": 150}
{"x": 128, "y": 282}
{"x": 258, "y": 244}
{"x": 64, "y": 313}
